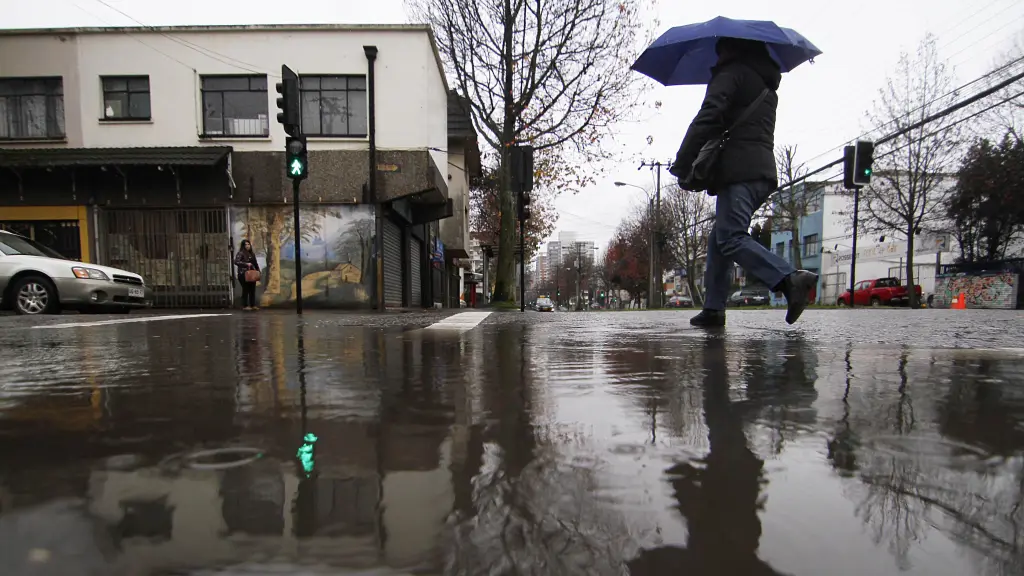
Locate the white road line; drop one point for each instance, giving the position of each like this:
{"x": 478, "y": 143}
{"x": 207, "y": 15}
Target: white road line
{"x": 128, "y": 321}
{"x": 461, "y": 322}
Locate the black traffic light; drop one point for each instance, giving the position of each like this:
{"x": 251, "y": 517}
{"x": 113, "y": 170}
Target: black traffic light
{"x": 296, "y": 158}
{"x": 521, "y": 167}
{"x": 524, "y": 205}
{"x": 290, "y": 115}
{"x": 848, "y": 153}
{"x": 863, "y": 158}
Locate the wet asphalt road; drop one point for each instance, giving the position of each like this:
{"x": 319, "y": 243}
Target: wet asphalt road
{"x": 861, "y": 443}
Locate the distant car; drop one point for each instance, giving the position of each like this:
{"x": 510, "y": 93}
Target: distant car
{"x": 879, "y": 292}
{"x": 37, "y": 280}
{"x": 545, "y": 305}
{"x": 679, "y": 302}
{"x": 749, "y": 297}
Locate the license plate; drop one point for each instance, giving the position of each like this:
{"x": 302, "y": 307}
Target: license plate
{"x": 136, "y": 293}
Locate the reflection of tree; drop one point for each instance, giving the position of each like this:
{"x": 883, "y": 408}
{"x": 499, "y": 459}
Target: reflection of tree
{"x": 531, "y": 512}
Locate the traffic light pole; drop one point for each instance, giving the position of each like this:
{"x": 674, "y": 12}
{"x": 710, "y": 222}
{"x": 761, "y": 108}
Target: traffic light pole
{"x": 298, "y": 247}
{"x": 522, "y": 266}
{"x": 853, "y": 257}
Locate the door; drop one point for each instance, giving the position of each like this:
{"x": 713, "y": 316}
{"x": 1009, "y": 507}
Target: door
{"x": 392, "y": 265}
{"x": 416, "y": 272}
{"x": 183, "y": 254}
{"x": 862, "y": 293}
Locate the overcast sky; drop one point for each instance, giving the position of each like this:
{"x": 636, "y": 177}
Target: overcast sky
{"x": 821, "y": 105}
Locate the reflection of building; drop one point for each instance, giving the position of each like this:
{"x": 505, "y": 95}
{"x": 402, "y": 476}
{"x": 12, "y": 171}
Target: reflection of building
{"x": 158, "y": 160}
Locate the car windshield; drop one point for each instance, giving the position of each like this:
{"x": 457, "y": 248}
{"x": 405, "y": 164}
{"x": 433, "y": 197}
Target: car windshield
{"x": 14, "y": 245}
{"x": 544, "y": 301}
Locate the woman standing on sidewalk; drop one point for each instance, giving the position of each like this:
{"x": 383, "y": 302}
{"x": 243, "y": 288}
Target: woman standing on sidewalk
{"x": 248, "y": 274}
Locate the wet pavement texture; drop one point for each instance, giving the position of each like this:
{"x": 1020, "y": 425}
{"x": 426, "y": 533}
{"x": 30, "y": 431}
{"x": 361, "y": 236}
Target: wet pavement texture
{"x": 861, "y": 443}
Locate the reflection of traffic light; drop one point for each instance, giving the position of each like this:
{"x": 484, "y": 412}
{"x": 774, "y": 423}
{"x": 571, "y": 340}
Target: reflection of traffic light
{"x": 288, "y": 103}
{"x": 307, "y": 453}
{"x": 296, "y": 159}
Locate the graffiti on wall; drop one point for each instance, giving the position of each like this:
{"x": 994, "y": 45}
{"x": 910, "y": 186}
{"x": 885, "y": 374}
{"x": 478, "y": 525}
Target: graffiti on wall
{"x": 991, "y": 290}
{"x": 337, "y": 242}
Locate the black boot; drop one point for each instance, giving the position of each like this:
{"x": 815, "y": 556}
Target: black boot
{"x": 709, "y": 319}
{"x": 797, "y": 289}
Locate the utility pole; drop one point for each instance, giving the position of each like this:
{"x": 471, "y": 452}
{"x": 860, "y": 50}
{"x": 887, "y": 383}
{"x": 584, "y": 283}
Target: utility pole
{"x": 656, "y": 234}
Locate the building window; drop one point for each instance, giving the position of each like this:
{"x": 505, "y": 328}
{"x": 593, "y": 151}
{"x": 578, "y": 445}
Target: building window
{"x": 126, "y": 98}
{"x": 812, "y": 246}
{"x": 31, "y": 108}
{"x": 780, "y": 249}
{"x": 235, "y": 106}
{"x": 333, "y": 105}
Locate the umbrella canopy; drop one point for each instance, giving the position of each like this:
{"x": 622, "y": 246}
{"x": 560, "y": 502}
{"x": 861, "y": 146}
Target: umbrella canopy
{"x": 685, "y": 54}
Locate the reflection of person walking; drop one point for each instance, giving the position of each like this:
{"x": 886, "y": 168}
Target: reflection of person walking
{"x": 744, "y": 177}
{"x": 248, "y": 274}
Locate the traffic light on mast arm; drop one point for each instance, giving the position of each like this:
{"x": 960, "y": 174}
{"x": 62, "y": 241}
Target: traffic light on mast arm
{"x": 524, "y": 206}
{"x": 288, "y": 102}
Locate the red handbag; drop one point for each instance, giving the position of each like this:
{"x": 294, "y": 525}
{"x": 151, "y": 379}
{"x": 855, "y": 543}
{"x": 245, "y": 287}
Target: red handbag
{"x": 252, "y": 275}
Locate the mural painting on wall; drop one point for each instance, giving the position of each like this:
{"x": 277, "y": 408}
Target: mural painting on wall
{"x": 997, "y": 290}
{"x": 337, "y": 242}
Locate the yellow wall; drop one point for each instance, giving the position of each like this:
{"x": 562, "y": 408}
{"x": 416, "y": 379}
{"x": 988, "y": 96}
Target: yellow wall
{"x": 30, "y": 213}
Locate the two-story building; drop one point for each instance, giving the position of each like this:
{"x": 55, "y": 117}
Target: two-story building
{"x": 157, "y": 150}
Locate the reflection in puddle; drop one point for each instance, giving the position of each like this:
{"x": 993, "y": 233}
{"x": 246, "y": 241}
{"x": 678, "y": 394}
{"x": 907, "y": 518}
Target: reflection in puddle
{"x": 509, "y": 449}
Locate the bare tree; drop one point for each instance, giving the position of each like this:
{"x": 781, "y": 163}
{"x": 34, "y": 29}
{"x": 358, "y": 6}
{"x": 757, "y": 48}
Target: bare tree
{"x": 550, "y": 73}
{"x": 1008, "y": 118}
{"x": 912, "y": 172}
{"x": 688, "y": 218}
{"x": 792, "y": 202}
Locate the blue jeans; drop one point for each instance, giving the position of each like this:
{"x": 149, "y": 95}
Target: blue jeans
{"x": 730, "y": 242}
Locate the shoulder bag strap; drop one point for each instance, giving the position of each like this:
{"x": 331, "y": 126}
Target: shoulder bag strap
{"x": 748, "y": 111}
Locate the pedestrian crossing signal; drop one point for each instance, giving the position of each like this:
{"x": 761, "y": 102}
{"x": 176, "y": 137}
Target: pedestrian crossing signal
{"x": 296, "y": 162}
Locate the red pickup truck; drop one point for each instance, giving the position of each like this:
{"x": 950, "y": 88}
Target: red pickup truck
{"x": 879, "y": 292}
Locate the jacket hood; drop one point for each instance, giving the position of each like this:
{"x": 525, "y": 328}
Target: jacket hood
{"x": 762, "y": 65}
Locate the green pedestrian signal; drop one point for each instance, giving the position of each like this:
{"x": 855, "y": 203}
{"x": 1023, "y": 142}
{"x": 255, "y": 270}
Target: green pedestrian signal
{"x": 296, "y": 161}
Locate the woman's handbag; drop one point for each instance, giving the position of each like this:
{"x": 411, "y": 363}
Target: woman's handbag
{"x": 252, "y": 275}
{"x": 701, "y": 174}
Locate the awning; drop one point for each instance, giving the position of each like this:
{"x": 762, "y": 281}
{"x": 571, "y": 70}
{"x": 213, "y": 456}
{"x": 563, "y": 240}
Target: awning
{"x": 163, "y": 156}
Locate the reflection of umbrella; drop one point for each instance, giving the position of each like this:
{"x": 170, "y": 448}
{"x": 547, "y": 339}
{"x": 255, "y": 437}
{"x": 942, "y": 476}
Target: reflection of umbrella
{"x": 685, "y": 54}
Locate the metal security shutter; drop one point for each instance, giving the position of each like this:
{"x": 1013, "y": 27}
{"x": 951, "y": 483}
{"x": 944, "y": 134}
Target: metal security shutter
{"x": 415, "y": 272}
{"x": 183, "y": 254}
{"x": 392, "y": 265}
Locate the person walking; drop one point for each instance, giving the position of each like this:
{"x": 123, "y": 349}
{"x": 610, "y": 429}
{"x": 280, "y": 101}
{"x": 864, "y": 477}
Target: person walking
{"x": 248, "y": 274}
{"x": 740, "y": 101}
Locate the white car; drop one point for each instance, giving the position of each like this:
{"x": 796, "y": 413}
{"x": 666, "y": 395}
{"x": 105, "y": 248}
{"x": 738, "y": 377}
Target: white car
{"x": 36, "y": 280}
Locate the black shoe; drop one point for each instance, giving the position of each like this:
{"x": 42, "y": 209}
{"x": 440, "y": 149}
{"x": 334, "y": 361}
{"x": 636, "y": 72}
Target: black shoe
{"x": 709, "y": 319}
{"x": 797, "y": 289}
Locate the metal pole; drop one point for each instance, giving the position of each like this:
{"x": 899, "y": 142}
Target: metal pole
{"x": 659, "y": 288}
{"x": 650, "y": 262}
{"x": 298, "y": 247}
{"x": 522, "y": 265}
{"x": 853, "y": 257}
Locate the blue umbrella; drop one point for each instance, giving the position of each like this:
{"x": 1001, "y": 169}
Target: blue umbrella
{"x": 685, "y": 54}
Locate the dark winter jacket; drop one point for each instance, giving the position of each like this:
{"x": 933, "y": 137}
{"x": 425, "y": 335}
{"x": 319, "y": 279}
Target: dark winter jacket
{"x": 750, "y": 153}
{"x": 243, "y": 259}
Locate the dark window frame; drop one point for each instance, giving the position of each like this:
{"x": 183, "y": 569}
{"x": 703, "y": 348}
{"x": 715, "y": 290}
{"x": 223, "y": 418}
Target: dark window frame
{"x": 128, "y": 92}
{"x": 205, "y": 92}
{"x": 348, "y": 91}
{"x": 53, "y": 132}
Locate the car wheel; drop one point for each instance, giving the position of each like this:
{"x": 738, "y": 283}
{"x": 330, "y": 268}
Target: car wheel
{"x": 34, "y": 295}
{"x": 876, "y": 302}
{"x": 841, "y": 302}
